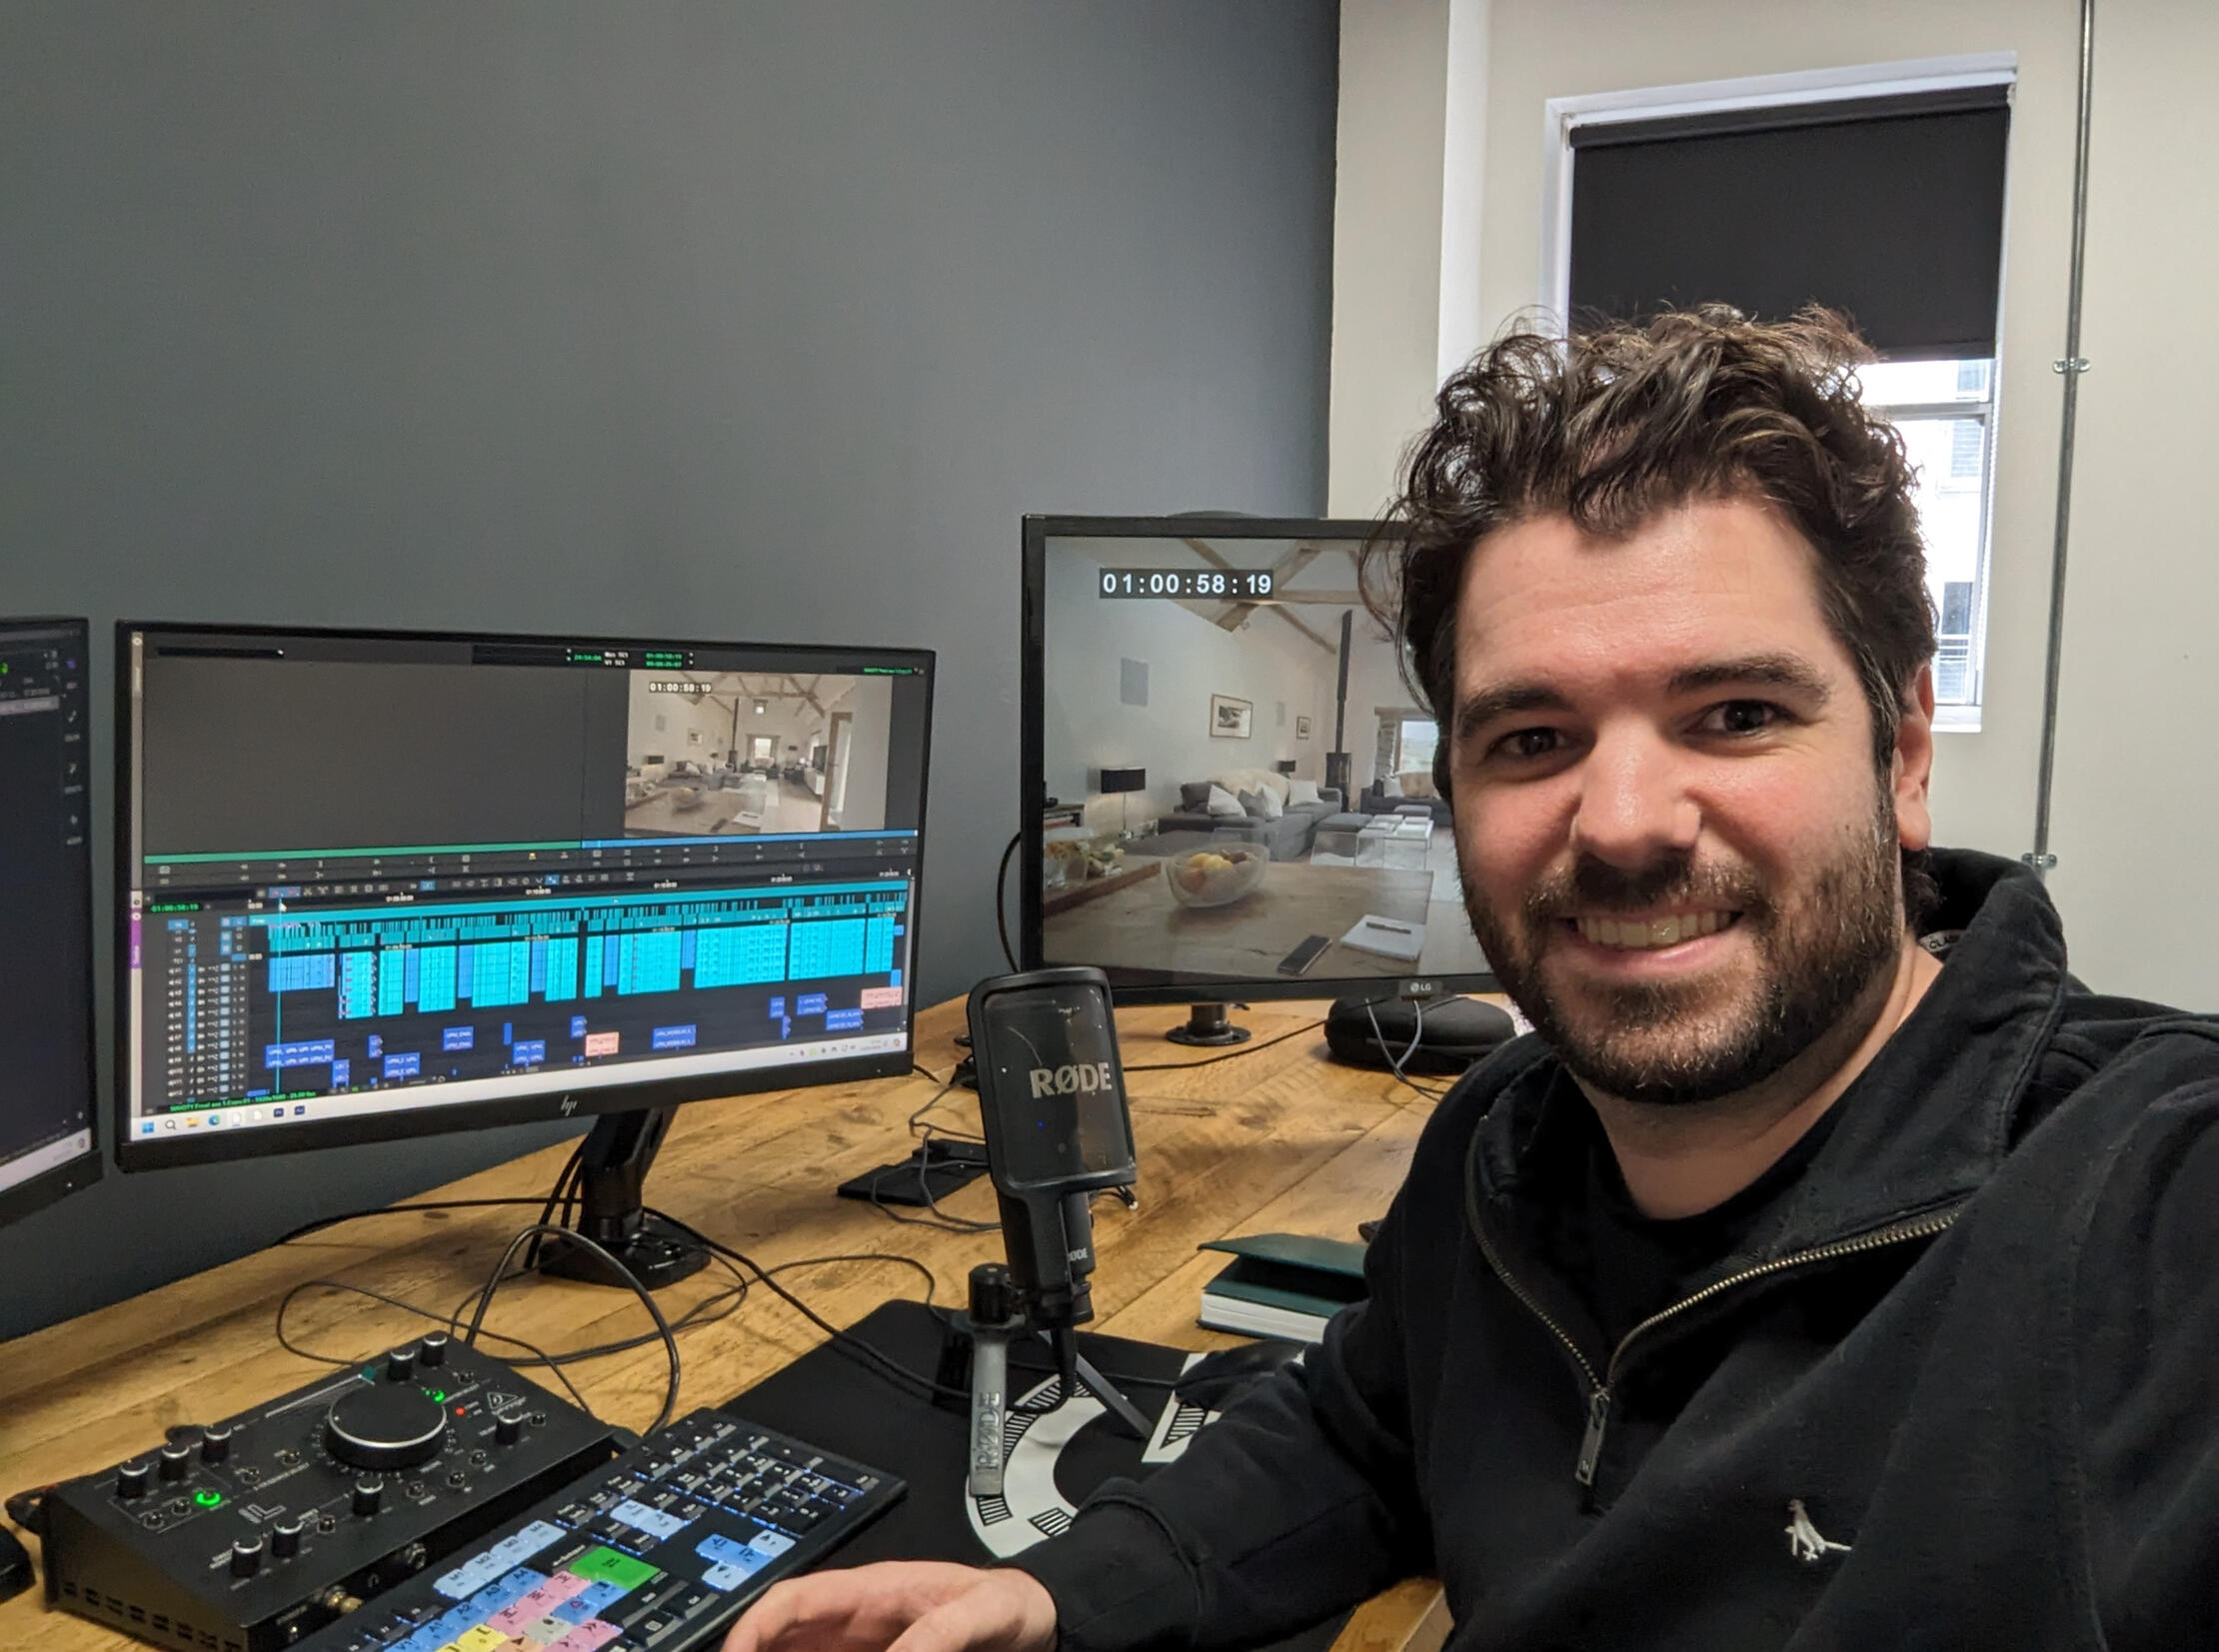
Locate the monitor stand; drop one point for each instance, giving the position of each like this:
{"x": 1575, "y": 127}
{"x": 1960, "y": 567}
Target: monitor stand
{"x": 1210, "y": 1026}
{"x": 613, "y": 1166}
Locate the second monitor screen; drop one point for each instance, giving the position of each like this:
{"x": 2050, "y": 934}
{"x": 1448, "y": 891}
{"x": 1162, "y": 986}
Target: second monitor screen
{"x": 1191, "y": 690}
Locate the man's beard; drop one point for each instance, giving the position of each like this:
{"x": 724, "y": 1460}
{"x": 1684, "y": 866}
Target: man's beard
{"x": 1818, "y": 953}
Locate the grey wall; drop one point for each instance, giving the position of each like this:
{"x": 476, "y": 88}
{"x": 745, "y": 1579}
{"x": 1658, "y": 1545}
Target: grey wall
{"x": 762, "y": 321}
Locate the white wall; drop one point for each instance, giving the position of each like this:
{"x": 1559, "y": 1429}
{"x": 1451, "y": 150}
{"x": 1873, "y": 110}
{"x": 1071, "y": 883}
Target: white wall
{"x": 2137, "y": 808}
{"x": 1386, "y": 242}
{"x": 2133, "y": 788}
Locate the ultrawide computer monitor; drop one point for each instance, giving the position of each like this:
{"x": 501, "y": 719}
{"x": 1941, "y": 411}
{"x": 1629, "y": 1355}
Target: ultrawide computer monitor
{"x": 48, "y": 1144}
{"x": 373, "y": 884}
{"x": 1229, "y": 787}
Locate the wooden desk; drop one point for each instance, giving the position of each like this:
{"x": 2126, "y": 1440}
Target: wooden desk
{"x": 1275, "y": 1139}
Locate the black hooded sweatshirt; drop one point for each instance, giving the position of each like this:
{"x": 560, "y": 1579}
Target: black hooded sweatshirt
{"x": 1956, "y": 1386}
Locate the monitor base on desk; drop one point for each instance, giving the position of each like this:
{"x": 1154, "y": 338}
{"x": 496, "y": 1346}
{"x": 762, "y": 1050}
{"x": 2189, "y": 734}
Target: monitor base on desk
{"x": 656, "y": 1256}
{"x": 1208, "y": 1025}
{"x": 613, "y": 1163}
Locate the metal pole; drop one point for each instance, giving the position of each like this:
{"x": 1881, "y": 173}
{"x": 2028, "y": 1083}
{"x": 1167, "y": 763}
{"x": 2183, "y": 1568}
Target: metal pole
{"x": 2071, "y": 365}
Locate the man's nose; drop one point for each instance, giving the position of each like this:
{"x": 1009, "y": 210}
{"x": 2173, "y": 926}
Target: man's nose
{"x": 1633, "y": 801}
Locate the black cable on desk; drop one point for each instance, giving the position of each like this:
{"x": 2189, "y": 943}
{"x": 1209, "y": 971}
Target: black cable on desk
{"x": 1001, "y": 882}
{"x": 885, "y": 1363}
{"x": 500, "y": 1275}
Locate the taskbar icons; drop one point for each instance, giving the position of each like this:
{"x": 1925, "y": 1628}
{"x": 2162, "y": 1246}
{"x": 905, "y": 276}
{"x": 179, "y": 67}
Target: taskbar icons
{"x": 219, "y": 1118}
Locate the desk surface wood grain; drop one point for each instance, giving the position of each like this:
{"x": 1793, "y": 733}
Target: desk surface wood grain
{"x": 1274, "y": 1138}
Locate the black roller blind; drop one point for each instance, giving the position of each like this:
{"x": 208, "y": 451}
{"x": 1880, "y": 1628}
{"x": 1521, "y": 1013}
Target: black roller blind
{"x": 1890, "y": 209}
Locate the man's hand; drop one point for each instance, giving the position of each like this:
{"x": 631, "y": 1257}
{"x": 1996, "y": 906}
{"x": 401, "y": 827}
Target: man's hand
{"x": 913, "y": 1605}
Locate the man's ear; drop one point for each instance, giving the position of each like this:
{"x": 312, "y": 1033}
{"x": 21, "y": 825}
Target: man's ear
{"x": 1912, "y": 769}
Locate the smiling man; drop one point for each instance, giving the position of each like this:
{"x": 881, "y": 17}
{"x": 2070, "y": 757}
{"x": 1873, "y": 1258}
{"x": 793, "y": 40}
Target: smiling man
{"x": 1832, "y": 1270}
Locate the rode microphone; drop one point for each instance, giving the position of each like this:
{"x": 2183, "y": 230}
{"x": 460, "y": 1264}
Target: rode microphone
{"x": 1052, "y": 1098}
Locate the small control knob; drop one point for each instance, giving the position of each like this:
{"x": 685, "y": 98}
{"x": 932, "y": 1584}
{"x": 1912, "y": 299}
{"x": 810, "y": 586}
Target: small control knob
{"x": 285, "y": 1538}
{"x": 133, "y": 1479}
{"x": 214, "y": 1444}
{"x": 175, "y": 1460}
{"x": 400, "y": 1364}
{"x": 385, "y": 1425}
{"x": 369, "y": 1494}
{"x": 432, "y": 1351}
{"x": 246, "y": 1557}
{"x": 507, "y": 1429}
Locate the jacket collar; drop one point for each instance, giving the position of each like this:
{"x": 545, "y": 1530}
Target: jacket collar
{"x": 1921, "y": 1129}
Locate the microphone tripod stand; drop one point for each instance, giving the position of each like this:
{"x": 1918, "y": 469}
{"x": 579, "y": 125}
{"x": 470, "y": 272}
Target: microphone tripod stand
{"x": 998, "y": 1314}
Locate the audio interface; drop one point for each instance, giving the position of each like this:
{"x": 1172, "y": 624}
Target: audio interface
{"x": 245, "y": 1535}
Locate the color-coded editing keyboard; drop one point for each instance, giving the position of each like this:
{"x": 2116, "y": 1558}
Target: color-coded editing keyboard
{"x": 659, "y": 1552}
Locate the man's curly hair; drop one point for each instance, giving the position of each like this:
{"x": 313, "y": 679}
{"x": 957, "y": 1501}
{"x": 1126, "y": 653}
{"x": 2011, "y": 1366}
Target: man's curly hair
{"x": 1621, "y": 422}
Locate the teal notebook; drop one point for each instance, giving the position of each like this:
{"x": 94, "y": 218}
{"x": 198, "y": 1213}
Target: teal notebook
{"x": 1282, "y": 1284}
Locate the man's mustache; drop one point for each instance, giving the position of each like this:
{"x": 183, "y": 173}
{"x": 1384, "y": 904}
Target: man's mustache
{"x": 1593, "y": 886}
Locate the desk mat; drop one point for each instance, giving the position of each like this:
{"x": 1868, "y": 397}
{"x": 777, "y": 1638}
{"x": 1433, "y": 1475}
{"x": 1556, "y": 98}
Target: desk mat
{"x": 834, "y": 1399}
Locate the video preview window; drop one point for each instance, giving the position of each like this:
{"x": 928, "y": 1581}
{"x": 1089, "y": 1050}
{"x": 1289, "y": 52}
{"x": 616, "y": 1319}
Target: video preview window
{"x": 755, "y": 754}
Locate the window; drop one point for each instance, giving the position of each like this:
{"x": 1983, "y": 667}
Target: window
{"x": 1946, "y": 413}
{"x": 1415, "y": 741}
{"x": 1876, "y": 189}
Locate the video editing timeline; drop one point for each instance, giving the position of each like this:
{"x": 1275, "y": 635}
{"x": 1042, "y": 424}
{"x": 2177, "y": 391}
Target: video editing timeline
{"x": 376, "y": 873}
{"x": 280, "y": 1001}
{"x": 45, "y": 978}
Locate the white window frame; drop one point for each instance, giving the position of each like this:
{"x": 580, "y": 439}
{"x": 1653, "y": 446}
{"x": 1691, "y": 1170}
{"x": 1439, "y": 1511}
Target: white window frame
{"x": 1560, "y": 116}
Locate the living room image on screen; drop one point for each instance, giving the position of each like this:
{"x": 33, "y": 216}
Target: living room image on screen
{"x": 1190, "y": 696}
{"x": 755, "y": 753}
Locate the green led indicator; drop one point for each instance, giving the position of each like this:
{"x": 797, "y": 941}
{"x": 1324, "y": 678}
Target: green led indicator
{"x": 208, "y": 1499}
{"x": 437, "y": 1394}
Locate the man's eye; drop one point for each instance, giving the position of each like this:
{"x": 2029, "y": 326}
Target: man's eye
{"x": 1528, "y": 743}
{"x": 1741, "y": 717}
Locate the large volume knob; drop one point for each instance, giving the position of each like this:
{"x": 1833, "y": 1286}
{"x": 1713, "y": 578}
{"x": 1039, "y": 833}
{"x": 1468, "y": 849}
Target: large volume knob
{"x": 386, "y": 1427}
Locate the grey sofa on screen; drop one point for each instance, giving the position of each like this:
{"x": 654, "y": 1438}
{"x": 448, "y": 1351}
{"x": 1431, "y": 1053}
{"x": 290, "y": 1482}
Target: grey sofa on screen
{"x": 1372, "y": 801}
{"x": 1287, "y": 837}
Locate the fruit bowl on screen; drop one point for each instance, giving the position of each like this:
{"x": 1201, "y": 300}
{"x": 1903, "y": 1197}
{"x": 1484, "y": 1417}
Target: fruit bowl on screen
{"x": 1217, "y": 875}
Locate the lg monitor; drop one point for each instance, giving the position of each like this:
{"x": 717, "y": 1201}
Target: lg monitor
{"x": 1227, "y": 786}
{"x": 381, "y": 883}
{"x": 48, "y": 1142}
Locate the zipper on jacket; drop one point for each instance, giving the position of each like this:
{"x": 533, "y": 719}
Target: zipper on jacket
{"x": 1591, "y": 1445}
{"x": 1599, "y": 1388}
